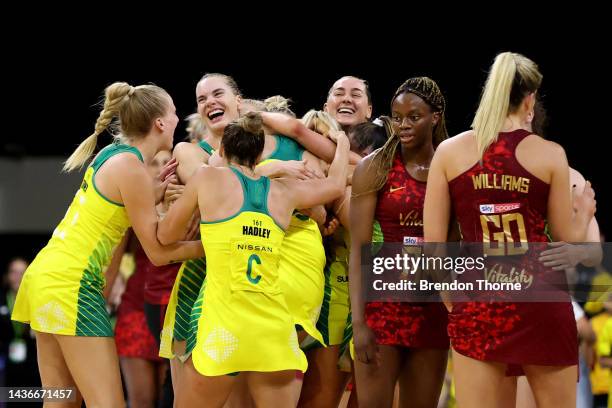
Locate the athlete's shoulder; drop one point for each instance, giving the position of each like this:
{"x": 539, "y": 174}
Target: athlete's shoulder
{"x": 365, "y": 163}
{"x": 460, "y": 140}
{"x": 545, "y": 149}
{"x": 451, "y": 149}
{"x": 370, "y": 174}
{"x": 185, "y": 149}
{"x": 538, "y": 141}
{"x": 283, "y": 186}
{"x": 212, "y": 174}
{"x": 366, "y": 171}
{"x": 125, "y": 161}
{"x": 215, "y": 183}
{"x": 125, "y": 170}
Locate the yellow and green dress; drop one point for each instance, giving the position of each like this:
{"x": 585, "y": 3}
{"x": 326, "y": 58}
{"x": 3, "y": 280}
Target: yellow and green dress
{"x": 336, "y": 307}
{"x": 302, "y": 257}
{"x": 335, "y": 320}
{"x": 61, "y": 291}
{"x": 245, "y": 324}
{"x": 301, "y": 273}
{"x": 182, "y": 312}
{"x": 600, "y": 376}
{"x": 604, "y": 349}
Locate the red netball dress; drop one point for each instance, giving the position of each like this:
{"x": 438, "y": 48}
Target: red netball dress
{"x": 132, "y": 335}
{"x": 399, "y": 220}
{"x": 158, "y": 282}
{"x": 502, "y": 207}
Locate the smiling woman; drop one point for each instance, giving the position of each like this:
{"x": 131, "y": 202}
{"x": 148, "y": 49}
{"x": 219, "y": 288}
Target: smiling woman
{"x": 349, "y": 101}
{"x": 218, "y": 98}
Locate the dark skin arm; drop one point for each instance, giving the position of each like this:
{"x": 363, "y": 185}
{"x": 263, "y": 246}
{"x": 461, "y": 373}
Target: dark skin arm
{"x": 438, "y": 224}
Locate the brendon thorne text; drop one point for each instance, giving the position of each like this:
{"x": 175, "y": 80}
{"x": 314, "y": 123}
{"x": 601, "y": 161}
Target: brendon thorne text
{"x": 425, "y": 285}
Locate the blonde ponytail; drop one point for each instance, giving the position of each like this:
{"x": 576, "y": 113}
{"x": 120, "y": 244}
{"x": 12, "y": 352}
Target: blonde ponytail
{"x": 115, "y": 95}
{"x": 278, "y": 103}
{"x": 512, "y": 77}
{"x": 135, "y": 109}
{"x": 495, "y": 101}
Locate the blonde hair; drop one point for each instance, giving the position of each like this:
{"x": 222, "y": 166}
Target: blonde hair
{"x": 258, "y": 106}
{"x": 195, "y": 127}
{"x": 274, "y": 103}
{"x": 135, "y": 109}
{"x": 252, "y": 122}
{"x": 278, "y": 103}
{"x": 511, "y": 78}
{"x": 320, "y": 121}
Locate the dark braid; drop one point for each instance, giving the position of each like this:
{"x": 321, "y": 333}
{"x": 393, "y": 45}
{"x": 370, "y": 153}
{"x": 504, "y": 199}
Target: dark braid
{"x": 426, "y": 89}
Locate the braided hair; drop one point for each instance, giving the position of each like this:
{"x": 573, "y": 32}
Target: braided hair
{"x": 427, "y": 89}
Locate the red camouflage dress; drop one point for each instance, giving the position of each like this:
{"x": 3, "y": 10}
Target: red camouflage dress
{"x": 500, "y": 202}
{"x": 399, "y": 220}
{"x": 132, "y": 335}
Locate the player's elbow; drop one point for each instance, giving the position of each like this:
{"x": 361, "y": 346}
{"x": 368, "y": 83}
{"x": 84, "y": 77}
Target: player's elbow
{"x": 165, "y": 238}
{"x": 158, "y": 261}
{"x": 154, "y": 253}
{"x": 158, "y": 258}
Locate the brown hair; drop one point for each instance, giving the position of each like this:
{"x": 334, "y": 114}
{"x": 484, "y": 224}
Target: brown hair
{"x": 243, "y": 139}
